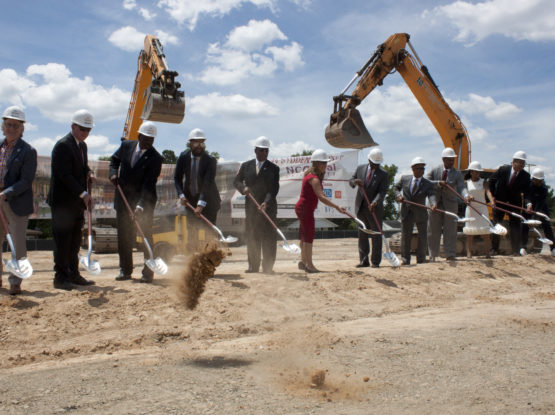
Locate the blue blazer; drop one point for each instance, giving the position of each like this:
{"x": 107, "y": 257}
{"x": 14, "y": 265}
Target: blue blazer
{"x": 18, "y": 180}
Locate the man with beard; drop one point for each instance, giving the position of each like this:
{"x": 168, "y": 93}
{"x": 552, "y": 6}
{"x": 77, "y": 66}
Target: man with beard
{"x": 195, "y": 181}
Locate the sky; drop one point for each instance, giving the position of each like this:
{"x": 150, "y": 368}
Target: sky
{"x": 271, "y": 67}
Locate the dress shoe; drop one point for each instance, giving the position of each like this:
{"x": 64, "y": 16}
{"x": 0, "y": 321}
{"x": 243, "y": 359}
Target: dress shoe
{"x": 362, "y": 265}
{"x": 405, "y": 261}
{"x": 123, "y": 277}
{"x": 251, "y": 271}
{"x": 523, "y": 252}
{"x": 63, "y": 285}
{"x": 312, "y": 271}
{"x": 80, "y": 280}
{"x": 301, "y": 266}
{"x": 375, "y": 266}
{"x": 270, "y": 272}
{"x": 15, "y": 289}
{"x": 146, "y": 279}
{"x": 451, "y": 258}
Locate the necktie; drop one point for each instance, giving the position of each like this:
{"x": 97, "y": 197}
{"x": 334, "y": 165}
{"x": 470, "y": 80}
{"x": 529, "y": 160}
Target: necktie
{"x": 513, "y": 177}
{"x": 194, "y": 183}
{"x": 81, "y": 153}
{"x": 257, "y": 167}
{"x": 368, "y": 177}
{"x": 414, "y": 186}
{"x": 444, "y": 175}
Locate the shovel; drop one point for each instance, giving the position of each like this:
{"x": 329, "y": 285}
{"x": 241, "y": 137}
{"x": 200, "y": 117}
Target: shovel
{"x": 89, "y": 264}
{"x": 21, "y": 268}
{"x": 361, "y": 225}
{"x": 229, "y": 240}
{"x": 157, "y": 265}
{"x": 497, "y": 229}
{"x": 541, "y": 238}
{"x": 389, "y": 255}
{"x": 459, "y": 219}
{"x": 543, "y": 215}
{"x": 291, "y": 248}
{"x": 529, "y": 222}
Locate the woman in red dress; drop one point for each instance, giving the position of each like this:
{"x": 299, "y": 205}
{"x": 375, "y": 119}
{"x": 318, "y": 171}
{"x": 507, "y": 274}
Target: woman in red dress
{"x": 311, "y": 192}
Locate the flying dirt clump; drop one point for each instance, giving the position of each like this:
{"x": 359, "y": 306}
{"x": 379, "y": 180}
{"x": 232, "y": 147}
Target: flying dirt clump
{"x": 200, "y": 267}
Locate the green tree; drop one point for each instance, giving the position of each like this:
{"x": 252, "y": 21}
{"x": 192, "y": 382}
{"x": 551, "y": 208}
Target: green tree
{"x": 304, "y": 153}
{"x": 551, "y": 200}
{"x": 214, "y": 154}
{"x": 390, "y": 212}
{"x": 105, "y": 158}
{"x": 169, "y": 157}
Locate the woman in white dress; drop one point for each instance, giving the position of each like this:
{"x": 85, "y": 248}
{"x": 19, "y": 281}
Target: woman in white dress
{"x": 477, "y": 190}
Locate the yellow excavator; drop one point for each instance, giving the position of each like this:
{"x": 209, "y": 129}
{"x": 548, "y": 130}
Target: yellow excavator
{"x": 156, "y": 94}
{"x": 346, "y": 128}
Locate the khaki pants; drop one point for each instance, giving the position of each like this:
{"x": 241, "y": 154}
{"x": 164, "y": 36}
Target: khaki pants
{"x": 18, "y": 229}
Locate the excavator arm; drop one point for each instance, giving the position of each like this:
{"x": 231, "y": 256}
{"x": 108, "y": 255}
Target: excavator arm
{"x": 346, "y": 128}
{"x": 156, "y": 95}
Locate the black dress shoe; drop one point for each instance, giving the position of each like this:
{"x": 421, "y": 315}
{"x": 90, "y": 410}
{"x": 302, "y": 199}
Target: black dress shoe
{"x": 63, "y": 285}
{"x": 362, "y": 265}
{"x": 405, "y": 262}
{"x": 451, "y": 258}
{"x": 146, "y": 278}
{"x": 375, "y": 265}
{"x": 80, "y": 280}
{"x": 312, "y": 271}
{"x": 250, "y": 271}
{"x": 123, "y": 277}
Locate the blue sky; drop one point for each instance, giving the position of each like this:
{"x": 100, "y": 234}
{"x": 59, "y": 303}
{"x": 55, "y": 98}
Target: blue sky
{"x": 271, "y": 67}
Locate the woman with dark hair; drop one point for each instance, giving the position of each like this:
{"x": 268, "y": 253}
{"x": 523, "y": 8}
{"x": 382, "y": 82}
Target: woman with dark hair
{"x": 311, "y": 191}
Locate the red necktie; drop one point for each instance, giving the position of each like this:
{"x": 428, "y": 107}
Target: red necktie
{"x": 368, "y": 177}
{"x": 444, "y": 175}
{"x": 513, "y": 177}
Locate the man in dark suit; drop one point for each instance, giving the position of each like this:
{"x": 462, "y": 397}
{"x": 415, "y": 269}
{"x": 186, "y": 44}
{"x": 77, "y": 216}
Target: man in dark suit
{"x": 439, "y": 223}
{"x": 68, "y": 198}
{"x": 414, "y": 188}
{"x": 371, "y": 179}
{"x": 195, "y": 181}
{"x": 135, "y": 166}
{"x": 510, "y": 184}
{"x": 18, "y": 164}
{"x": 260, "y": 178}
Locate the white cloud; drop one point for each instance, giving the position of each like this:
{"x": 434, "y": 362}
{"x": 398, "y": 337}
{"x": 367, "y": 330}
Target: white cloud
{"x": 233, "y": 62}
{"x": 492, "y": 110}
{"x": 129, "y": 4}
{"x": 166, "y": 38}
{"x": 95, "y": 144}
{"x": 13, "y": 86}
{"x": 254, "y": 35}
{"x": 128, "y": 38}
{"x": 44, "y": 145}
{"x": 215, "y": 104}
{"x": 146, "y": 14}
{"x": 286, "y": 149}
{"x": 189, "y": 11}
{"x": 58, "y": 95}
{"x": 532, "y": 20}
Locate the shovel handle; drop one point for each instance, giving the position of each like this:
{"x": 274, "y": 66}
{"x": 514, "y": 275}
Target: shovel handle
{"x": 131, "y": 213}
{"x": 361, "y": 190}
{"x": 204, "y": 218}
{"x": 251, "y": 197}
{"x": 522, "y": 208}
{"x": 464, "y": 200}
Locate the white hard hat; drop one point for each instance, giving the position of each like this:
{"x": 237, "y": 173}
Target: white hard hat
{"x": 319, "y": 155}
{"x": 83, "y": 118}
{"x": 15, "y": 113}
{"x": 448, "y": 152}
{"x": 519, "y": 155}
{"x": 197, "y": 134}
{"x": 476, "y": 166}
{"x": 538, "y": 173}
{"x": 262, "y": 142}
{"x": 417, "y": 160}
{"x": 375, "y": 156}
{"x": 148, "y": 128}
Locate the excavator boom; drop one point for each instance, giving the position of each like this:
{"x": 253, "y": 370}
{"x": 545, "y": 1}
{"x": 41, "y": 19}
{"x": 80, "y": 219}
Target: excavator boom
{"x": 156, "y": 95}
{"x": 389, "y": 57}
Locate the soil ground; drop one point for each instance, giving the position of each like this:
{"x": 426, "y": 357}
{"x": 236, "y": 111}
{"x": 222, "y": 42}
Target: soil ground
{"x": 475, "y": 336}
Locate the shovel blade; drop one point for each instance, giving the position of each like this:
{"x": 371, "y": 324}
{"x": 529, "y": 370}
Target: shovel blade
{"x": 392, "y": 258}
{"x": 498, "y": 230}
{"x": 92, "y": 266}
{"x": 532, "y": 222}
{"x": 229, "y": 239}
{"x": 21, "y": 268}
{"x": 347, "y": 130}
{"x": 292, "y": 248}
{"x": 158, "y": 266}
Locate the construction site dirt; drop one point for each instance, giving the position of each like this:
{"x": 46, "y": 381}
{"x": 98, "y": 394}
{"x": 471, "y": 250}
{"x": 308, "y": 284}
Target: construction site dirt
{"x": 470, "y": 336}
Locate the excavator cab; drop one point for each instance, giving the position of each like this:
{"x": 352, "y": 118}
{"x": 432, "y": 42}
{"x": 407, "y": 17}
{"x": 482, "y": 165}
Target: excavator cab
{"x": 346, "y": 128}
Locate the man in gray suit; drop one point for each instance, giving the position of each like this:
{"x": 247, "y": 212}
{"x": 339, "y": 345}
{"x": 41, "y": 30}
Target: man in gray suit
{"x": 373, "y": 181}
{"x": 414, "y": 188}
{"x": 18, "y": 164}
{"x": 440, "y": 223}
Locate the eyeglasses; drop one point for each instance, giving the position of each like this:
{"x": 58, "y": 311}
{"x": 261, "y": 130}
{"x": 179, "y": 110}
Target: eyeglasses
{"x": 419, "y": 168}
{"x": 262, "y": 149}
{"x": 11, "y": 125}
{"x": 85, "y": 129}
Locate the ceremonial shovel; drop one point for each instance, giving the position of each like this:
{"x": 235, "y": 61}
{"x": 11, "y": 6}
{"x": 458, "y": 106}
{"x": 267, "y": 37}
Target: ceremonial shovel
{"x": 22, "y": 267}
{"x": 229, "y": 240}
{"x": 89, "y": 264}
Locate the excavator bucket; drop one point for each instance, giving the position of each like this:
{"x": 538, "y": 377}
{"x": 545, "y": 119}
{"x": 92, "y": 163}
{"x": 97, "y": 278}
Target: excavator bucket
{"x": 347, "y": 130}
{"x": 162, "y": 108}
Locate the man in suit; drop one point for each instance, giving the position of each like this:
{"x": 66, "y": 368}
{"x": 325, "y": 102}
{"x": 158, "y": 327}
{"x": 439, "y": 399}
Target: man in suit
{"x": 18, "y": 164}
{"x": 195, "y": 181}
{"x": 68, "y": 198}
{"x": 135, "y": 167}
{"x": 439, "y": 223}
{"x": 372, "y": 180}
{"x": 260, "y": 178}
{"x": 414, "y": 188}
{"x": 510, "y": 184}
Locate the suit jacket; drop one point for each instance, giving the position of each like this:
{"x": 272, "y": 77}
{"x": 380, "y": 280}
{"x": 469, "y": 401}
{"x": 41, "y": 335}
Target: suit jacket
{"x": 18, "y": 180}
{"x": 445, "y": 197}
{"x": 138, "y": 182}
{"x": 69, "y": 170}
{"x": 206, "y": 180}
{"x": 264, "y": 186}
{"x": 376, "y": 189}
{"x": 425, "y": 189}
{"x": 499, "y": 186}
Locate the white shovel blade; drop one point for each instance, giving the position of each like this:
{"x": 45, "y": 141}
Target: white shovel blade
{"x": 21, "y": 268}
{"x": 292, "y": 248}
{"x": 541, "y": 238}
{"x": 498, "y": 230}
{"x": 532, "y": 222}
{"x": 229, "y": 240}
{"x": 392, "y": 258}
{"x": 92, "y": 267}
{"x": 157, "y": 266}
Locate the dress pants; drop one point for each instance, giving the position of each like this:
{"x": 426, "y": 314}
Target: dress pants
{"x": 66, "y": 232}
{"x": 261, "y": 241}
{"x": 18, "y": 229}
{"x": 442, "y": 224}
{"x": 127, "y": 235}
{"x": 515, "y": 230}
{"x": 363, "y": 241}
{"x": 195, "y": 224}
{"x": 407, "y": 225}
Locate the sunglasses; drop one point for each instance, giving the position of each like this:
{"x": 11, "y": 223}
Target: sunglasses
{"x": 85, "y": 129}
{"x": 262, "y": 149}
